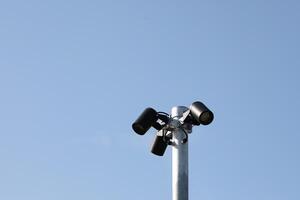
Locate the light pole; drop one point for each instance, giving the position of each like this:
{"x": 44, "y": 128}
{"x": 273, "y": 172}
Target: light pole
{"x": 180, "y": 160}
{"x": 173, "y": 130}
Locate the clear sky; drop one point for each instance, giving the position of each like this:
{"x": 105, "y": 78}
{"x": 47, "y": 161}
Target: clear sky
{"x": 74, "y": 75}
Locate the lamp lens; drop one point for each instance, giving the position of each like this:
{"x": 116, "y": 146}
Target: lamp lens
{"x": 206, "y": 117}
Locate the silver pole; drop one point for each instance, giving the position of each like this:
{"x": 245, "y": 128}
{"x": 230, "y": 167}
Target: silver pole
{"x": 179, "y": 159}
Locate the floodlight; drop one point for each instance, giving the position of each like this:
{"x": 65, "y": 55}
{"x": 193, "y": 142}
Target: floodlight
{"x": 160, "y": 144}
{"x": 144, "y": 122}
{"x": 201, "y": 114}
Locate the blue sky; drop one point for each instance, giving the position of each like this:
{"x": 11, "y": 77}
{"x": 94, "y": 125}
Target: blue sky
{"x": 74, "y": 75}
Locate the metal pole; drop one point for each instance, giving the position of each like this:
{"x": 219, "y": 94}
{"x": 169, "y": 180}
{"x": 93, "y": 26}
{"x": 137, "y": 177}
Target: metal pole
{"x": 179, "y": 159}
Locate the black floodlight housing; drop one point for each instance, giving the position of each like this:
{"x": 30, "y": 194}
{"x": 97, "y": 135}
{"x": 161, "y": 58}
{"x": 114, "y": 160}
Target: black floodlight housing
{"x": 160, "y": 143}
{"x": 201, "y": 114}
{"x": 145, "y": 121}
{"x": 148, "y": 118}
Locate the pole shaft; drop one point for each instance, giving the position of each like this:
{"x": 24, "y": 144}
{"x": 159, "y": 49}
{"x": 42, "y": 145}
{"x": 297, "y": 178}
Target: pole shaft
{"x": 179, "y": 160}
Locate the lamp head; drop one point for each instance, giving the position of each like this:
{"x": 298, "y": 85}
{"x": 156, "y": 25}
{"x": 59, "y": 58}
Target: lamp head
{"x": 160, "y": 144}
{"x": 144, "y": 122}
{"x": 201, "y": 114}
